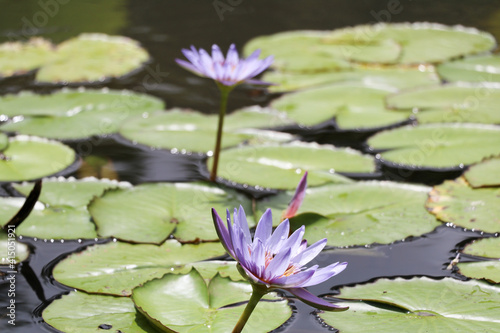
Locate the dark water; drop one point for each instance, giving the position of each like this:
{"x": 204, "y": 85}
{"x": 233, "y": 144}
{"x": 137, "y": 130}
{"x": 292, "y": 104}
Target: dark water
{"x": 164, "y": 27}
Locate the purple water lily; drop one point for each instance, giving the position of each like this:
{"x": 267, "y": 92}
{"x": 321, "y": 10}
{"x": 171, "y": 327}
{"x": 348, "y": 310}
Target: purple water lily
{"x": 228, "y": 71}
{"x": 274, "y": 260}
{"x": 297, "y": 199}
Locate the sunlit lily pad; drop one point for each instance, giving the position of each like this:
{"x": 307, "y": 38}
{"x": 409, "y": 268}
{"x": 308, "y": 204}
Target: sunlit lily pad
{"x": 149, "y": 213}
{"x": 17, "y": 58}
{"x": 182, "y": 129}
{"x": 353, "y": 105}
{"x": 26, "y": 158}
{"x": 282, "y": 166}
{"x": 485, "y": 173}
{"x": 419, "y": 305}
{"x": 93, "y": 58}
{"x": 485, "y": 68}
{"x": 451, "y": 103}
{"x": 437, "y": 145}
{"x": 115, "y": 268}
{"x": 455, "y": 202}
{"x": 73, "y": 114}
{"x": 79, "y": 312}
{"x": 208, "y": 269}
{"x": 486, "y": 269}
{"x": 358, "y": 213}
{"x": 12, "y": 252}
{"x": 205, "y": 308}
{"x": 486, "y": 247}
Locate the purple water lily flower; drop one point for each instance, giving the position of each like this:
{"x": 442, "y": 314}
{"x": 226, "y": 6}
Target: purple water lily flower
{"x": 274, "y": 259}
{"x": 297, "y": 199}
{"x": 229, "y": 71}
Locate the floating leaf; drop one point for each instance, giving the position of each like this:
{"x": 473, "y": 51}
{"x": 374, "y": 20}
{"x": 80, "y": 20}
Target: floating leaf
{"x": 17, "y": 58}
{"x": 282, "y": 166}
{"x": 205, "y": 308}
{"x": 486, "y": 247}
{"x": 28, "y": 158}
{"x": 149, "y": 213}
{"x": 419, "y": 305}
{"x": 79, "y": 312}
{"x": 115, "y": 268}
{"x": 208, "y": 269}
{"x": 358, "y": 213}
{"x": 484, "y": 173}
{"x": 472, "y": 69}
{"x": 437, "y": 145}
{"x": 73, "y": 114}
{"x": 12, "y": 252}
{"x": 486, "y": 269}
{"x": 455, "y": 202}
{"x": 93, "y": 58}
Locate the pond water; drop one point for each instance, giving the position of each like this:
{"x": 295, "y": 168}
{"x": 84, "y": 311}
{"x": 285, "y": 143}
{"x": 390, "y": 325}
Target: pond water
{"x": 163, "y": 28}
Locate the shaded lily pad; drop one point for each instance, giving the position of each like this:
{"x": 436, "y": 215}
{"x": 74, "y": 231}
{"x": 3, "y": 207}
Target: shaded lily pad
{"x": 419, "y": 305}
{"x": 116, "y": 268}
{"x": 451, "y": 103}
{"x": 205, "y": 308}
{"x": 17, "y": 58}
{"x": 353, "y": 105}
{"x": 81, "y": 312}
{"x": 149, "y": 213}
{"x": 437, "y": 145}
{"x": 93, "y": 58}
{"x": 183, "y": 129}
{"x": 12, "y": 252}
{"x": 282, "y": 166}
{"x": 358, "y": 213}
{"x": 485, "y": 173}
{"x": 26, "y": 158}
{"x": 455, "y": 202}
{"x": 486, "y": 269}
{"x": 485, "y": 68}
{"x": 73, "y": 114}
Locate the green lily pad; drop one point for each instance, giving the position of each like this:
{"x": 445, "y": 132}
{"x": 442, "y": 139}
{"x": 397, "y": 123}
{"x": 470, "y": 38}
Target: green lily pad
{"x": 17, "y": 58}
{"x": 422, "y": 305}
{"x": 12, "y": 252}
{"x": 437, "y": 145}
{"x": 451, "y": 103}
{"x": 487, "y": 269}
{"x": 471, "y": 69}
{"x": 149, "y": 213}
{"x": 282, "y": 166}
{"x": 486, "y": 247}
{"x": 93, "y": 58}
{"x": 209, "y": 269}
{"x": 353, "y": 105}
{"x": 455, "y": 202}
{"x": 116, "y": 268}
{"x": 182, "y": 129}
{"x": 484, "y": 173}
{"x": 79, "y": 312}
{"x": 358, "y": 213}
{"x": 205, "y": 308}
{"x": 74, "y": 114}
{"x": 27, "y": 158}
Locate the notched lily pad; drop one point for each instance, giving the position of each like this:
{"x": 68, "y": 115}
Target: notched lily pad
{"x": 149, "y": 213}
{"x": 484, "y": 68}
{"x": 282, "y": 166}
{"x": 116, "y": 268}
{"x": 484, "y": 174}
{"x": 418, "y": 305}
{"x": 205, "y": 308}
{"x": 18, "y": 58}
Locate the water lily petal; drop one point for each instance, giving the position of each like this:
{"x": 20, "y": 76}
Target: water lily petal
{"x": 325, "y": 273}
{"x": 315, "y": 301}
{"x": 258, "y": 258}
{"x": 232, "y": 56}
{"x": 303, "y": 257}
{"x": 294, "y": 280}
{"x": 223, "y": 233}
{"x": 190, "y": 67}
{"x": 217, "y": 55}
{"x": 242, "y": 220}
{"x": 297, "y": 199}
{"x": 294, "y": 241}
{"x": 279, "y": 236}
{"x": 278, "y": 265}
{"x": 264, "y": 227}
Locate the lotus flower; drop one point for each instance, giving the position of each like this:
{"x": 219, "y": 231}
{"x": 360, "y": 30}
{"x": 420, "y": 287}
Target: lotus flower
{"x": 275, "y": 260}
{"x": 229, "y": 71}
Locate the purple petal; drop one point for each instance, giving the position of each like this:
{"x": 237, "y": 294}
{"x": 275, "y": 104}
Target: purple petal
{"x": 258, "y": 258}
{"x": 217, "y": 55}
{"x": 315, "y": 301}
{"x": 294, "y": 241}
{"x": 190, "y": 67}
{"x": 325, "y": 273}
{"x": 278, "y": 237}
{"x": 278, "y": 265}
{"x": 294, "y": 280}
{"x": 242, "y": 221}
{"x": 252, "y": 276}
{"x": 297, "y": 199}
{"x": 265, "y": 226}
{"x": 223, "y": 233}
{"x": 310, "y": 253}
{"x": 232, "y": 56}
{"x": 192, "y": 55}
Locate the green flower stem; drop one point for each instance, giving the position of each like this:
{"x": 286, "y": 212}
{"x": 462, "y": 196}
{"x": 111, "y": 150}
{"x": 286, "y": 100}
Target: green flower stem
{"x": 258, "y": 292}
{"x": 224, "y": 94}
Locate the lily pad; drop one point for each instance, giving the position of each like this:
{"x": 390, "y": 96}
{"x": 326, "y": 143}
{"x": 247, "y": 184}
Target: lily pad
{"x": 93, "y": 58}
{"x": 282, "y": 166}
{"x": 437, "y": 146}
{"x": 183, "y": 129}
{"x": 485, "y": 68}
{"x": 12, "y": 252}
{"x": 353, "y": 105}
{"x": 17, "y": 58}
{"x": 486, "y": 269}
{"x": 116, "y": 268}
{"x": 358, "y": 213}
{"x": 149, "y": 213}
{"x": 210, "y": 268}
{"x": 486, "y": 247}
{"x": 27, "y": 158}
{"x": 451, "y": 103}
{"x": 73, "y": 114}
{"x": 485, "y": 173}
{"x": 205, "y": 308}
{"x": 79, "y": 312}
{"x": 455, "y": 202}
{"x": 419, "y": 305}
